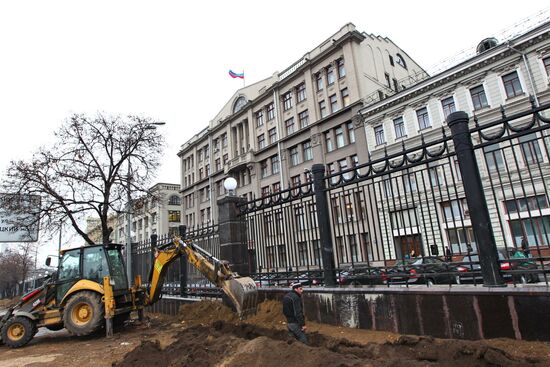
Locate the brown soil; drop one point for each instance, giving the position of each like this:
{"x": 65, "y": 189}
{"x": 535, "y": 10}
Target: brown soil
{"x": 208, "y": 334}
{"x": 213, "y": 337}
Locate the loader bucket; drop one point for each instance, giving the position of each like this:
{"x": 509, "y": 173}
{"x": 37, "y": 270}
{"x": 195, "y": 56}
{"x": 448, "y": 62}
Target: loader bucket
{"x": 243, "y": 294}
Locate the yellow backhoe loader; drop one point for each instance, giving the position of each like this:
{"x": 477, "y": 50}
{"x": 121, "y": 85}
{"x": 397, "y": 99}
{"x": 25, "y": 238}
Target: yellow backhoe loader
{"x": 90, "y": 291}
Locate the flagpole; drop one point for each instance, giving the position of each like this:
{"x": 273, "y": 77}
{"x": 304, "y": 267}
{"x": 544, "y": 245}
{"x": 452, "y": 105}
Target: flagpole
{"x": 244, "y": 82}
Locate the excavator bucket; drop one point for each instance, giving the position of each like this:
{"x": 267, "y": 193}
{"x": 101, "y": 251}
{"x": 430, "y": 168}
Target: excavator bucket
{"x": 243, "y": 294}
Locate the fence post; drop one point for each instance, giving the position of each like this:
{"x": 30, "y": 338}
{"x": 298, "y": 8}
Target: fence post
{"x": 473, "y": 189}
{"x": 183, "y": 265}
{"x": 325, "y": 236}
{"x": 233, "y": 235}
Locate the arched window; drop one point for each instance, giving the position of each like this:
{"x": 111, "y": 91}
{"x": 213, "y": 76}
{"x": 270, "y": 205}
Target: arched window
{"x": 239, "y": 104}
{"x": 174, "y": 200}
{"x": 400, "y": 60}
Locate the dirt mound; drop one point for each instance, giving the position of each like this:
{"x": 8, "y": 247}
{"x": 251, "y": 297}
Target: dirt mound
{"x": 214, "y": 337}
{"x": 204, "y": 312}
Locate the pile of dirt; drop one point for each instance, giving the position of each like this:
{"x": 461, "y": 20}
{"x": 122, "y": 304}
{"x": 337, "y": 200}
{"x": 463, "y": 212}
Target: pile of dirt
{"x": 213, "y": 337}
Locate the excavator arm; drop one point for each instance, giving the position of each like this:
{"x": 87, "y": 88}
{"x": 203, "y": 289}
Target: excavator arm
{"x": 241, "y": 291}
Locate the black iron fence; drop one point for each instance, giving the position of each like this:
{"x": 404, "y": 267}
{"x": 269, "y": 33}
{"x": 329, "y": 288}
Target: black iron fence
{"x": 465, "y": 204}
{"x": 466, "y": 207}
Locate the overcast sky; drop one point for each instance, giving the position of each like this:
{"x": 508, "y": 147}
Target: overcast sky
{"x": 169, "y": 60}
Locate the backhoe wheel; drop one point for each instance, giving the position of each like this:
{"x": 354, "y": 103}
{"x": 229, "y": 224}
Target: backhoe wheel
{"x": 18, "y": 331}
{"x": 84, "y": 313}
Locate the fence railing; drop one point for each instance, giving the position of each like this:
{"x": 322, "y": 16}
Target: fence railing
{"x": 404, "y": 217}
{"x": 457, "y": 207}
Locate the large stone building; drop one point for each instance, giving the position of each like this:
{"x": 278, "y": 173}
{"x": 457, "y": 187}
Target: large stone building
{"x": 270, "y": 133}
{"x": 159, "y": 213}
{"x": 357, "y": 98}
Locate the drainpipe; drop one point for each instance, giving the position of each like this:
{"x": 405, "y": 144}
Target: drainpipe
{"x": 529, "y": 74}
{"x": 279, "y": 129}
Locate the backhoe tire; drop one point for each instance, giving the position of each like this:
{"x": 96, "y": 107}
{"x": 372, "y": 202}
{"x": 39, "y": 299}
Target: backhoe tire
{"x": 18, "y": 331}
{"x": 84, "y": 313}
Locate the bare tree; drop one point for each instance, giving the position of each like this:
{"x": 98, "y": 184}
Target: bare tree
{"x": 85, "y": 173}
{"x": 14, "y": 268}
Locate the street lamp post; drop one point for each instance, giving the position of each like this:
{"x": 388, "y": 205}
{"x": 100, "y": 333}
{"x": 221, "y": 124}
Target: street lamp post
{"x": 152, "y": 125}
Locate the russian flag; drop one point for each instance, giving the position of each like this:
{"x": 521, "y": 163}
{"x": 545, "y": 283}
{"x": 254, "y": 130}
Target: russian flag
{"x": 236, "y": 75}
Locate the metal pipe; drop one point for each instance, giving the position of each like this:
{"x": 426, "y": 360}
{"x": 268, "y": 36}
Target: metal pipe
{"x": 129, "y": 225}
{"x": 529, "y": 74}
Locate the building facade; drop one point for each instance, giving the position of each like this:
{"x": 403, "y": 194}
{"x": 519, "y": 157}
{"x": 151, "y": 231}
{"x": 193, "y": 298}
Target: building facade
{"x": 270, "y": 133}
{"x": 356, "y": 99}
{"x": 503, "y": 78}
{"x": 158, "y": 213}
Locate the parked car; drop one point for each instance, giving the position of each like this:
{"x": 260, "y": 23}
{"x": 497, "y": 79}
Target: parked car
{"x": 428, "y": 270}
{"x": 514, "y": 266}
{"x": 363, "y": 275}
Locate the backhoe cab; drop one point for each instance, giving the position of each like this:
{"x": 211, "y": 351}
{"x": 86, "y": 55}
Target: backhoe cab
{"x": 90, "y": 291}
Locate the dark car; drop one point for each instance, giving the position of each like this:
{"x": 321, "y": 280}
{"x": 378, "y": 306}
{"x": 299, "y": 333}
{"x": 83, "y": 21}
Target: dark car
{"x": 428, "y": 270}
{"x": 515, "y": 267}
{"x": 364, "y": 275}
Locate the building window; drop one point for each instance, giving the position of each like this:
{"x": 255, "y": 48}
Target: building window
{"x": 259, "y": 118}
{"x": 339, "y": 132}
{"x": 333, "y": 103}
{"x": 343, "y": 165}
{"x": 263, "y": 169}
{"x": 303, "y": 117}
{"x": 265, "y": 191}
{"x": 289, "y": 124}
{"x": 351, "y": 132}
{"x": 308, "y": 151}
{"x": 294, "y": 157}
{"x": 225, "y": 158}
{"x": 423, "y": 118}
{"x": 302, "y": 247}
{"x": 345, "y": 97}
{"x": 494, "y": 158}
{"x": 319, "y": 81}
{"x": 512, "y": 85}
{"x": 261, "y": 141}
{"x": 174, "y": 200}
{"x": 400, "y": 60}
{"x": 295, "y": 181}
{"x": 272, "y": 135}
{"x": 287, "y": 101}
{"x": 399, "y": 127}
{"x": 530, "y": 149}
{"x": 341, "y": 68}
{"x": 448, "y": 105}
{"x": 330, "y": 75}
{"x": 479, "y": 99}
{"x": 174, "y": 216}
{"x": 224, "y": 140}
{"x": 276, "y": 187}
{"x": 379, "y": 135}
{"x": 323, "y": 108}
{"x": 270, "y": 111}
{"x": 218, "y": 163}
{"x": 328, "y": 142}
{"x": 546, "y": 63}
{"x": 301, "y": 92}
{"x": 526, "y": 221}
{"x": 275, "y": 168}
{"x": 455, "y": 210}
